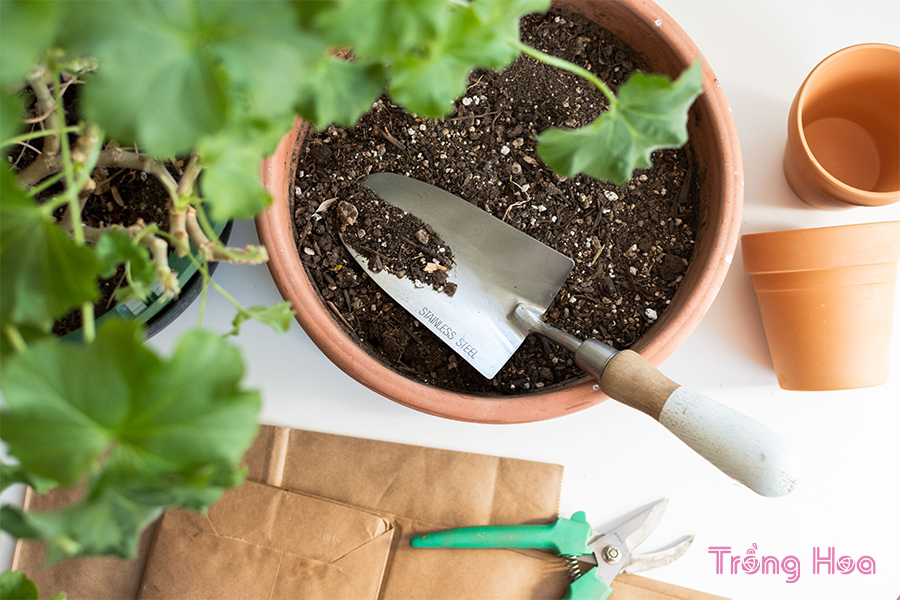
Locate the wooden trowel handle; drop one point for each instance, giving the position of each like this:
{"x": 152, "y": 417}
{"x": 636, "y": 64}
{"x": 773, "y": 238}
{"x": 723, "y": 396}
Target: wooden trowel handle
{"x": 739, "y": 446}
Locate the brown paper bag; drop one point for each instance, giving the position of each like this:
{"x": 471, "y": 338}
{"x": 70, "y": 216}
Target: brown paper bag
{"x": 418, "y": 489}
{"x": 438, "y": 487}
{"x": 261, "y": 542}
{"x": 446, "y": 488}
{"x": 422, "y": 490}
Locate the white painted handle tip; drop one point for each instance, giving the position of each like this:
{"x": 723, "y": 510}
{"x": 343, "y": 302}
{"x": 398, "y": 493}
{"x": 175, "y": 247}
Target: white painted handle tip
{"x": 739, "y": 446}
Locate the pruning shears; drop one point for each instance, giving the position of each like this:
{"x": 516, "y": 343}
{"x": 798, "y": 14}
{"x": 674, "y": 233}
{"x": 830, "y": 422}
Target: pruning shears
{"x": 594, "y": 558}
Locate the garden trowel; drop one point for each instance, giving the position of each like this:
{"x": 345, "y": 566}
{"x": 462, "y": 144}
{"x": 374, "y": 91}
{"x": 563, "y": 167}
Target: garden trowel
{"x": 505, "y": 282}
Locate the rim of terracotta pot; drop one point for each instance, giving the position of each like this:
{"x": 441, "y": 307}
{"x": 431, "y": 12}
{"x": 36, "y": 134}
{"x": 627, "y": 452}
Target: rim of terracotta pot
{"x": 652, "y": 33}
{"x": 821, "y": 247}
{"x": 845, "y": 192}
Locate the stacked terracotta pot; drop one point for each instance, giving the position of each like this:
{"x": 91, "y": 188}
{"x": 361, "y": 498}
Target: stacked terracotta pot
{"x": 827, "y": 294}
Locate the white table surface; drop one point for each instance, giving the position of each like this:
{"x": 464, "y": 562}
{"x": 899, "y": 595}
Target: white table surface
{"x": 617, "y": 459}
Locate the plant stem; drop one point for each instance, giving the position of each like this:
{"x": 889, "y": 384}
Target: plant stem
{"x": 178, "y": 209}
{"x": 178, "y": 230}
{"x": 87, "y": 322}
{"x": 208, "y": 280}
{"x": 69, "y": 172}
{"x": 43, "y": 186}
{"x": 146, "y": 236}
{"x": 117, "y": 157}
{"x": 202, "y": 266}
{"x": 49, "y": 105}
{"x": 203, "y": 295}
{"x": 24, "y": 137}
{"x": 159, "y": 251}
{"x": 567, "y": 66}
{"x": 227, "y": 296}
{"x": 40, "y": 169}
{"x": 15, "y": 337}
{"x": 84, "y": 157}
{"x": 191, "y": 172}
{"x": 207, "y": 227}
{"x": 214, "y": 250}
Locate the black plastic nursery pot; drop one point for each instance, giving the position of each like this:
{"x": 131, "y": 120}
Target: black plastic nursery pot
{"x": 158, "y": 312}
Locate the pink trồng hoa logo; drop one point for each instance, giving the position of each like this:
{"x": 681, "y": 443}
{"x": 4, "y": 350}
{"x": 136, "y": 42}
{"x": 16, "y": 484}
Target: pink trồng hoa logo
{"x": 824, "y": 562}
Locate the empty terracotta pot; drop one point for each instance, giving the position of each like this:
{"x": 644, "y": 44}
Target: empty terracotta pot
{"x": 827, "y": 301}
{"x": 843, "y": 145}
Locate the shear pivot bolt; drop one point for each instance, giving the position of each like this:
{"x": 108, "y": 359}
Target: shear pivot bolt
{"x": 611, "y": 554}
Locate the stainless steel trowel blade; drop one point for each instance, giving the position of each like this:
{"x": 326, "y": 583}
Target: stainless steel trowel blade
{"x": 497, "y": 267}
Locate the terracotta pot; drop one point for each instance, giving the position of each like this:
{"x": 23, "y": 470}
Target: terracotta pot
{"x": 714, "y": 143}
{"x": 827, "y": 301}
{"x": 843, "y": 144}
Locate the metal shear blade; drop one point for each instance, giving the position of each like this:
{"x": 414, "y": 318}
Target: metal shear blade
{"x": 613, "y": 551}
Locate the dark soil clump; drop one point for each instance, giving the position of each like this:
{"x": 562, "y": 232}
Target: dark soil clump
{"x": 393, "y": 240}
{"x": 631, "y": 244}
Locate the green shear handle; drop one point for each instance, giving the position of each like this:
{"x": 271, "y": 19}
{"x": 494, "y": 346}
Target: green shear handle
{"x": 565, "y": 537}
{"x": 588, "y": 587}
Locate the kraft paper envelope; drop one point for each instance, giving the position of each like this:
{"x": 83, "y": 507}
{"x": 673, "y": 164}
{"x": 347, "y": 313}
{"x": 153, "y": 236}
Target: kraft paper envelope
{"x": 263, "y": 542}
{"x": 417, "y": 489}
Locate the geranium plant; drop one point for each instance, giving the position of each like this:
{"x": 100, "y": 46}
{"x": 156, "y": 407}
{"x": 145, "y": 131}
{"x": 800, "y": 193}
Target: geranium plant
{"x": 216, "y": 83}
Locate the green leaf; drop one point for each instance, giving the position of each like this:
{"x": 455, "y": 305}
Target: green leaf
{"x": 149, "y": 418}
{"x": 14, "y": 585}
{"x": 107, "y": 525}
{"x": 158, "y": 82}
{"x": 230, "y": 183}
{"x": 27, "y": 29}
{"x": 264, "y": 52}
{"x": 43, "y": 274}
{"x": 382, "y": 29}
{"x": 11, "y": 474}
{"x": 478, "y": 34}
{"x": 26, "y": 334}
{"x": 308, "y": 10}
{"x": 649, "y": 113}
{"x": 340, "y": 91}
{"x": 150, "y": 432}
{"x": 482, "y": 32}
{"x": 115, "y": 248}
{"x": 428, "y": 85}
{"x": 278, "y": 317}
{"x": 188, "y": 429}
{"x": 52, "y": 392}
{"x": 170, "y": 71}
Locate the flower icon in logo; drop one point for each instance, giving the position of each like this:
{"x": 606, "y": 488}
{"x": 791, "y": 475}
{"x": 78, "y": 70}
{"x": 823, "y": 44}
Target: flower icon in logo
{"x": 750, "y": 563}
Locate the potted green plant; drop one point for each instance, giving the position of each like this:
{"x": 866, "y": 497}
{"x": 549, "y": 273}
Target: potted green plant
{"x": 669, "y": 51}
{"x": 155, "y": 82}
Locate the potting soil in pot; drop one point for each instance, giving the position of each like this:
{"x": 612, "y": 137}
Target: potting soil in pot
{"x": 631, "y": 243}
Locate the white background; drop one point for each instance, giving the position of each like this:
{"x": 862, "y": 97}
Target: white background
{"x": 617, "y": 459}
